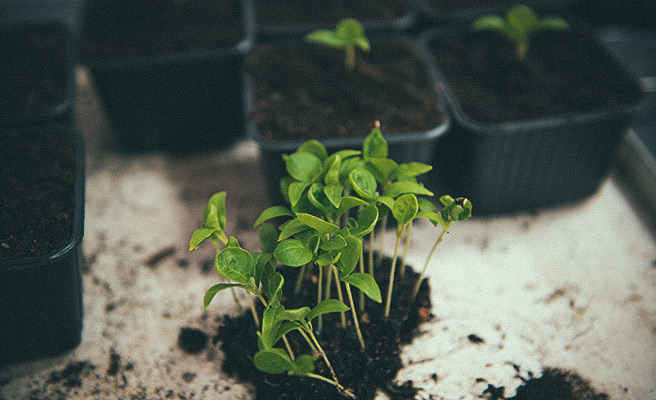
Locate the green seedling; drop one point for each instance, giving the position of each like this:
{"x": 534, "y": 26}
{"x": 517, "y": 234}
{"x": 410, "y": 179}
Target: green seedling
{"x": 519, "y": 24}
{"x": 348, "y": 35}
{"x": 456, "y": 210}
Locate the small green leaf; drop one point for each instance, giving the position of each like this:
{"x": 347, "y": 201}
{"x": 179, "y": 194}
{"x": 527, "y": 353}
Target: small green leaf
{"x": 272, "y": 282}
{"x": 235, "y": 264}
{"x": 314, "y": 147}
{"x": 406, "y": 187}
{"x": 332, "y": 165}
{"x": 326, "y": 306}
{"x": 316, "y": 223}
{"x": 375, "y": 145}
{"x": 336, "y": 242}
{"x": 303, "y": 365}
{"x": 295, "y": 191}
{"x": 334, "y": 194}
{"x": 411, "y": 169}
{"x": 273, "y": 361}
{"x": 327, "y": 258}
{"x": 297, "y": 314}
{"x": 293, "y": 253}
{"x": 367, "y": 219}
{"x": 366, "y": 283}
{"x": 268, "y": 238}
{"x": 211, "y": 292}
{"x": 326, "y": 38}
{"x": 261, "y": 261}
{"x": 364, "y": 183}
{"x": 350, "y": 255}
{"x": 405, "y": 208}
{"x": 271, "y": 323}
{"x": 198, "y": 237}
{"x": 304, "y": 167}
{"x": 291, "y": 228}
{"x": 273, "y": 212}
{"x": 347, "y": 203}
{"x": 214, "y": 215}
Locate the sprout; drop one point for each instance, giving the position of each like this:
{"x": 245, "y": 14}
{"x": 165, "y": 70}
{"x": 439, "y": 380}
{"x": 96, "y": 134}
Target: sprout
{"x": 348, "y": 35}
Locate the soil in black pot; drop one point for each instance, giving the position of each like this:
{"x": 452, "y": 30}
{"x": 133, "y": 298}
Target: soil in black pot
{"x": 454, "y": 5}
{"x": 363, "y": 372}
{"x": 291, "y": 12}
{"x": 37, "y": 174}
{"x": 128, "y": 28}
{"x": 303, "y": 91}
{"x": 564, "y": 73}
{"x": 34, "y": 68}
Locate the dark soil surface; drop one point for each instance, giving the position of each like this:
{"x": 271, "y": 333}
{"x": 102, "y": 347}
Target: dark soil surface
{"x": 459, "y": 5}
{"x": 37, "y": 174}
{"x": 34, "y": 68}
{"x": 564, "y": 73}
{"x": 289, "y": 12}
{"x": 364, "y": 373}
{"x": 304, "y": 91}
{"x": 127, "y": 28}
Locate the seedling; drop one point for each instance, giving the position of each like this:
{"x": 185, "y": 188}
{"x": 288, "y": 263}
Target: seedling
{"x": 520, "y": 23}
{"x": 348, "y": 35}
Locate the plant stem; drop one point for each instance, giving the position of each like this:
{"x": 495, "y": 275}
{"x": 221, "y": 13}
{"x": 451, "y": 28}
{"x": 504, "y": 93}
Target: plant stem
{"x": 406, "y": 247}
{"x": 323, "y": 354}
{"x": 299, "y": 280}
{"x": 236, "y": 300}
{"x": 329, "y": 281}
{"x": 371, "y": 253}
{"x": 349, "y": 60}
{"x": 307, "y": 339}
{"x": 254, "y": 311}
{"x": 339, "y": 294}
{"x": 289, "y": 348}
{"x": 361, "y": 305}
{"x": 355, "y": 316}
{"x": 336, "y": 384}
{"x": 392, "y": 271}
{"x": 381, "y": 241}
{"x": 430, "y": 255}
{"x": 319, "y": 288}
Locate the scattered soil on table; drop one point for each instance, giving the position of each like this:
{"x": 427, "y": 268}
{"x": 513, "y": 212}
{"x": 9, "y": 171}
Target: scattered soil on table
{"x": 364, "y": 373}
{"x": 34, "y": 67}
{"x": 127, "y": 28}
{"x": 564, "y": 73}
{"x": 192, "y": 340}
{"x": 303, "y": 91}
{"x": 277, "y": 13}
{"x": 37, "y": 198}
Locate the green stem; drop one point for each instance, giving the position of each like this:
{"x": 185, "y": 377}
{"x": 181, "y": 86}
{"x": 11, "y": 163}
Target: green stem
{"x": 236, "y": 300}
{"x": 355, "y": 316}
{"x": 339, "y": 295}
{"x": 361, "y": 305}
{"x": 299, "y": 280}
{"x": 329, "y": 282}
{"x": 349, "y": 61}
{"x": 406, "y": 247}
{"x": 323, "y": 354}
{"x": 381, "y": 241}
{"x": 289, "y": 348}
{"x": 341, "y": 388}
{"x": 371, "y": 252}
{"x": 392, "y": 271}
{"x": 430, "y": 255}
{"x": 319, "y": 289}
{"x": 254, "y": 311}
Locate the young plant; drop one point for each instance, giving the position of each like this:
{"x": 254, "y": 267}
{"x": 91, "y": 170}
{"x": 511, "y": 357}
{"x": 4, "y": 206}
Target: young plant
{"x": 456, "y": 210}
{"x": 520, "y": 23}
{"x": 348, "y": 35}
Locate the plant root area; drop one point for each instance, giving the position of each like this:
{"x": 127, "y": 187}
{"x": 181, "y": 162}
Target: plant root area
{"x": 365, "y": 373}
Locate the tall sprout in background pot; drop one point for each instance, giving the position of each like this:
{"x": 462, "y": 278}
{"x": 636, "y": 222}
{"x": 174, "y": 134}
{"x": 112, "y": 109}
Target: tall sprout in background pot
{"x": 348, "y": 35}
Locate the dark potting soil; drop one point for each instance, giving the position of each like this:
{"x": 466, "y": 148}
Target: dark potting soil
{"x": 564, "y": 73}
{"x": 291, "y": 12}
{"x": 303, "y": 91}
{"x": 34, "y": 68}
{"x": 129, "y": 28}
{"x": 37, "y": 201}
{"x": 363, "y": 372}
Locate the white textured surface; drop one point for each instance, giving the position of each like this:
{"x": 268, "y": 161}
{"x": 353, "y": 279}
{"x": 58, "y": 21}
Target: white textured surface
{"x": 573, "y": 288}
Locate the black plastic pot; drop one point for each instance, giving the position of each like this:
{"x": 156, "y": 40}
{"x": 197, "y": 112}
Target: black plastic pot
{"x": 41, "y": 295}
{"x": 416, "y": 146}
{"x": 38, "y": 70}
{"x": 270, "y": 27}
{"x": 528, "y": 164}
{"x": 180, "y": 102}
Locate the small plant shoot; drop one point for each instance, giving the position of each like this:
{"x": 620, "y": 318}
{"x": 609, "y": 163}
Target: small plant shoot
{"x": 348, "y": 35}
{"x": 519, "y": 24}
{"x": 334, "y": 201}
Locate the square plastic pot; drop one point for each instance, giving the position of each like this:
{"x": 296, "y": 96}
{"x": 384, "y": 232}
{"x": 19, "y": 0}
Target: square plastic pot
{"x": 39, "y": 92}
{"x": 528, "y": 164}
{"x": 188, "y": 101}
{"x": 418, "y": 146}
{"x": 41, "y": 296}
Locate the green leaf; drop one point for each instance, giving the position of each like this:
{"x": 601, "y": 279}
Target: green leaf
{"x": 291, "y": 228}
{"x": 367, "y": 219}
{"x": 268, "y": 238}
{"x": 347, "y": 203}
{"x": 349, "y": 30}
{"x": 316, "y": 223}
{"x": 297, "y": 314}
{"x": 366, "y": 283}
{"x": 381, "y": 168}
{"x": 406, "y": 187}
{"x": 336, "y": 242}
{"x": 261, "y": 261}
{"x": 492, "y": 22}
{"x": 272, "y": 282}
{"x": 198, "y": 237}
{"x": 426, "y": 205}
{"x": 313, "y": 147}
{"x": 287, "y": 327}
{"x": 303, "y": 365}
{"x": 273, "y": 361}
{"x": 345, "y": 169}
{"x": 214, "y": 215}
{"x": 211, "y": 292}
{"x": 334, "y": 194}
{"x": 273, "y": 212}
{"x": 326, "y": 306}
{"x": 271, "y": 323}
{"x": 332, "y": 165}
{"x": 293, "y": 253}
{"x": 405, "y": 208}
{"x": 317, "y": 197}
{"x": 304, "y": 167}
{"x": 350, "y": 255}
{"x": 375, "y": 145}
{"x": 327, "y": 258}
{"x": 326, "y": 38}
{"x": 295, "y": 192}
{"x": 235, "y": 264}
{"x": 364, "y": 183}
{"x": 411, "y": 169}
